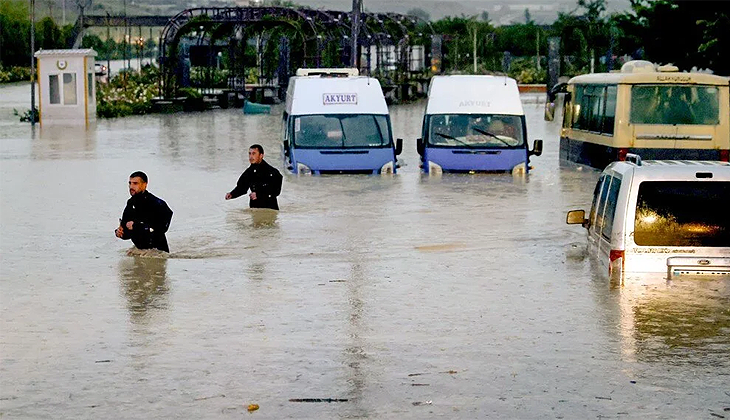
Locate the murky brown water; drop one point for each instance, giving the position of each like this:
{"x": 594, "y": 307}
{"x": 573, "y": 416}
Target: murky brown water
{"x": 454, "y": 297}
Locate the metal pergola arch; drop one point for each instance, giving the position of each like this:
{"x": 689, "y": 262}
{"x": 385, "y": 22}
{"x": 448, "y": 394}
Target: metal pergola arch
{"x": 320, "y": 27}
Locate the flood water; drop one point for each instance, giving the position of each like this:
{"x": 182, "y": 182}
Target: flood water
{"x": 407, "y": 296}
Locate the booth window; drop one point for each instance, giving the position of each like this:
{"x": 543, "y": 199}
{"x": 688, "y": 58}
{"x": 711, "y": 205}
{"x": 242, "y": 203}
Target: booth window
{"x": 69, "y": 88}
{"x": 90, "y": 81}
{"x": 53, "y": 89}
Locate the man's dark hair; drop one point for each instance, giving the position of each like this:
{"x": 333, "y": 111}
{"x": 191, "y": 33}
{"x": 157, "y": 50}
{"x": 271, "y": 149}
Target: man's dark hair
{"x": 257, "y": 147}
{"x": 139, "y": 174}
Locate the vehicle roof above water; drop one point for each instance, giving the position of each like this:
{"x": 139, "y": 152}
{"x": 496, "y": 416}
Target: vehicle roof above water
{"x": 673, "y": 170}
{"x": 650, "y": 78}
{"x": 307, "y": 95}
{"x": 474, "y": 94}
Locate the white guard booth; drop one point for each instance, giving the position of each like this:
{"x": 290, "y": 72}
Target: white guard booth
{"x": 67, "y": 87}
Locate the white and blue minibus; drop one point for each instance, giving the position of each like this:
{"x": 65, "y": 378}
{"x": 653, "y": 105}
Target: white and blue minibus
{"x": 474, "y": 124}
{"x": 337, "y": 122}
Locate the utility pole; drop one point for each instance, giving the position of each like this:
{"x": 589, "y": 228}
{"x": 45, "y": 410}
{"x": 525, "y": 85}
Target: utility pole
{"x": 475, "y": 48}
{"x": 356, "y": 9}
{"x": 126, "y": 38}
{"x": 32, "y": 62}
{"x": 108, "y": 53}
{"x": 537, "y": 48}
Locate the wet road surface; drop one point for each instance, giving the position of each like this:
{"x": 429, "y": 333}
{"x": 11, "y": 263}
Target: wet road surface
{"x": 408, "y": 296}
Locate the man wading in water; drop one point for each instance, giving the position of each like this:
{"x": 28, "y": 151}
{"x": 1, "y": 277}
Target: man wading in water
{"x": 262, "y": 179}
{"x": 146, "y": 217}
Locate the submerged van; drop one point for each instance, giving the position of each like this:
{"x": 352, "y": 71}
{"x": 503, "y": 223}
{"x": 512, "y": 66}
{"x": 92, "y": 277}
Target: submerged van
{"x": 663, "y": 216}
{"x": 474, "y": 124}
{"x": 337, "y": 122}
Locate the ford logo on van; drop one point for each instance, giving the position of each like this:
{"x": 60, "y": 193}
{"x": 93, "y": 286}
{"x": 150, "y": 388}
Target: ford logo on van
{"x": 703, "y": 262}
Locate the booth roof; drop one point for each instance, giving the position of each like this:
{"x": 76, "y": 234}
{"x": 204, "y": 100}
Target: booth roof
{"x": 77, "y": 52}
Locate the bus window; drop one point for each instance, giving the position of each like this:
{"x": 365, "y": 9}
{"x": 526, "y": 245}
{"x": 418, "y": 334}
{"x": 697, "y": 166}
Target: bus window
{"x": 592, "y": 104}
{"x": 575, "y": 115}
{"x": 610, "y": 115}
{"x": 567, "y": 110}
{"x": 673, "y": 104}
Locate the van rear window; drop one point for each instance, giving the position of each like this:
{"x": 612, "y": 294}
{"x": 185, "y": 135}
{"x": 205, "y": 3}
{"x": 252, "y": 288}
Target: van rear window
{"x": 678, "y": 213}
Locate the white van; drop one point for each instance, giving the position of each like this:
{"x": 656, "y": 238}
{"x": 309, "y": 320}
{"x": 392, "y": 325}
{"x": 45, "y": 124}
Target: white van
{"x": 474, "y": 124}
{"x": 665, "y": 216}
{"x": 337, "y": 122}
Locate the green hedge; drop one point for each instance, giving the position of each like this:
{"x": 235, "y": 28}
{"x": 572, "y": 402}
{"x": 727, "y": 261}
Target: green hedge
{"x": 129, "y": 93}
{"x": 14, "y": 74}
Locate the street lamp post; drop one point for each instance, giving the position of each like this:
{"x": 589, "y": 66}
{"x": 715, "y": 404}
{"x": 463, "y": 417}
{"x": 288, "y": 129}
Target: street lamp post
{"x": 356, "y": 8}
{"x": 140, "y": 49}
{"x": 32, "y": 62}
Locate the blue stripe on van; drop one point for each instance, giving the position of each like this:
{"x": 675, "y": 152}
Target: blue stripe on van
{"x": 475, "y": 159}
{"x": 346, "y": 160}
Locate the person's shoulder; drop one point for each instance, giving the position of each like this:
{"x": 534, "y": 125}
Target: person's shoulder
{"x": 154, "y": 198}
{"x": 271, "y": 168}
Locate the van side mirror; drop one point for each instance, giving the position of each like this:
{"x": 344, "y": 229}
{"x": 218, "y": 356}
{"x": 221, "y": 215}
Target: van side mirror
{"x": 398, "y": 146}
{"x": 549, "y": 111}
{"x": 536, "y": 148}
{"x": 420, "y": 146}
{"x": 576, "y": 217}
{"x": 286, "y": 148}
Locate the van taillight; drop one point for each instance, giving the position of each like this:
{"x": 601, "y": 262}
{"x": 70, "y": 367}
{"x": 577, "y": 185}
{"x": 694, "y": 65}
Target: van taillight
{"x": 615, "y": 254}
{"x": 725, "y": 155}
{"x": 622, "y": 152}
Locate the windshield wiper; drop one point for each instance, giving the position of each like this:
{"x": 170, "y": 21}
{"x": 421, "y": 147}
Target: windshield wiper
{"x": 446, "y": 136}
{"x": 487, "y": 133}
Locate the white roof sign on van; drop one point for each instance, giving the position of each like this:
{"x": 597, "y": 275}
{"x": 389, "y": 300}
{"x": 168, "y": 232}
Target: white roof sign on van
{"x": 474, "y": 94}
{"x": 314, "y": 95}
{"x": 339, "y": 99}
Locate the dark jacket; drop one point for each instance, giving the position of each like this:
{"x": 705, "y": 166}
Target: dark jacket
{"x": 151, "y": 217}
{"x": 264, "y": 180}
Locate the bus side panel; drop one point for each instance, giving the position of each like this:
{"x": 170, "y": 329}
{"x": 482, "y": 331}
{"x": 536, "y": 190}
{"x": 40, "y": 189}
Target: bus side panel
{"x": 599, "y": 156}
{"x": 461, "y": 159}
{"x": 586, "y": 153}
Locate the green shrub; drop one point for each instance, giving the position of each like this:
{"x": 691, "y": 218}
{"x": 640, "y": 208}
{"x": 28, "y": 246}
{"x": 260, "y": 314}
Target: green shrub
{"x": 129, "y": 93}
{"x": 525, "y": 72}
{"x": 27, "y": 115}
{"x": 191, "y": 93}
{"x": 14, "y": 74}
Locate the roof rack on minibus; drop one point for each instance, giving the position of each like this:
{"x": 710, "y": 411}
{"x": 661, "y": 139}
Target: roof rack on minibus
{"x": 328, "y": 72}
{"x": 633, "y": 158}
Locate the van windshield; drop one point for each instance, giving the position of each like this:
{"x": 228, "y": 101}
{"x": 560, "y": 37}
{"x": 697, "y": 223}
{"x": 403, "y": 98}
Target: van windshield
{"x": 673, "y": 104}
{"x": 678, "y": 213}
{"x": 475, "y": 131}
{"x": 338, "y": 131}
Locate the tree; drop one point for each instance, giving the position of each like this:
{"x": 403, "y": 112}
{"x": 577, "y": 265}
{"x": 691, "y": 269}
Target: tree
{"x": 50, "y": 34}
{"x": 419, "y": 13}
{"x": 93, "y": 41}
{"x": 716, "y": 41}
{"x": 14, "y": 33}
{"x": 703, "y": 40}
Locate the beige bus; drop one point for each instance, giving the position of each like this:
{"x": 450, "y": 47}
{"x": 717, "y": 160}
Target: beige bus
{"x": 658, "y": 113}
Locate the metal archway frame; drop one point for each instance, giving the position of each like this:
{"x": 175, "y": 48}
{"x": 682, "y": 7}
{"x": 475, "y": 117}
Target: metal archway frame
{"x": 317, "y": 27}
